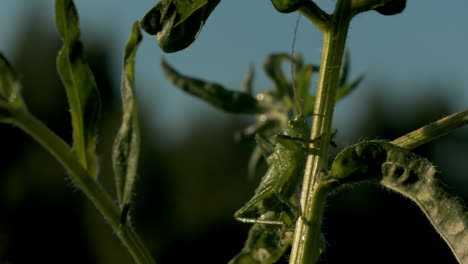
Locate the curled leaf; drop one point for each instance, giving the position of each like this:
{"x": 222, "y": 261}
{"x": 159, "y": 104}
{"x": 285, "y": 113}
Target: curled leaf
{"x": 127, "y": 142}
{"x": 213, "y": 93}
{"x": 359, "y": 162}
{"x": 81, "y": 89}
{"x": 412, "y": 176}
{"x": 177, "y": 23}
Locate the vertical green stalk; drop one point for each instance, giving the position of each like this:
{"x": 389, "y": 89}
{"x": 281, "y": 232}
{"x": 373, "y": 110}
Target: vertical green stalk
{"x": 307, "y": 233}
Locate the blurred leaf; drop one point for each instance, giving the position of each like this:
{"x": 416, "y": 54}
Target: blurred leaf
{"x": 213, "y": 93}
{"x": 303, "y": 78}
{"x": 273, "y": 70}
{"x": 346, "y": 89}
{"x": 177, "y": 23}
{"x": 343, "y": 88}
{"x": 82, "y": 93}
{"x": 344, "y": 69}
{"x": 412, "y": 176}
{"x": 127, "y": 142}
{"x": 10, "y": 86}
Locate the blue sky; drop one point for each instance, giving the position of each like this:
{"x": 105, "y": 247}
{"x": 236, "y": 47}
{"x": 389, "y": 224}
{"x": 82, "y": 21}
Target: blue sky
{"x": 426, "y": 44}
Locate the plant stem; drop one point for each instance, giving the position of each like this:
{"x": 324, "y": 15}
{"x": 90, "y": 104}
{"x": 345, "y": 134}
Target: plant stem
{"x": 432, "y": 130}
{"x": 307, "y": 232}
{"x": 63, "y": 153}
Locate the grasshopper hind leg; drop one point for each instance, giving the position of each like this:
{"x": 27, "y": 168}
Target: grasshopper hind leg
{"x": 268, "y": 217}
{"x": 252, "y": 205}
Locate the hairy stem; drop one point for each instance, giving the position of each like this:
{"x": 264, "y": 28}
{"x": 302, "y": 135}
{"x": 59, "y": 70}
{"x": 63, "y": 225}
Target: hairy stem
{"x": 63, "y": 153}
{"x": 432, "y": 130}
{"x": 306, "y": 238}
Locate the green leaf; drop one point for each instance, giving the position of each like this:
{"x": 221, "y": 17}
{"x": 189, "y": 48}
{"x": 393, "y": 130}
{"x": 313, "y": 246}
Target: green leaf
{"x": 81, "y": 89}
{"x": 213, "y": 93}
{"x": 186, "y": 8}
{"x": 10, "y": 86}
{"x": 359, "y": 162}
{"x": 412, "y": 176}
{"x": 177, "y": 23}
{"x": 127, "y": 142}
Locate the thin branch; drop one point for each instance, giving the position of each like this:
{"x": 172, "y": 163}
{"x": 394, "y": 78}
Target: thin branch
{"x": 432, "y": 130}
{"x": 103, "y": 202}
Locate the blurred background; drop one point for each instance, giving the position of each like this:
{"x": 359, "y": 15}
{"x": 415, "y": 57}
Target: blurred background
{"x": 193, "y": 176}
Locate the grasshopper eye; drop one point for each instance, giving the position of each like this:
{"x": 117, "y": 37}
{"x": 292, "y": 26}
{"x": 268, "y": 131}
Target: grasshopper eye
{"x": 297, "y": 127}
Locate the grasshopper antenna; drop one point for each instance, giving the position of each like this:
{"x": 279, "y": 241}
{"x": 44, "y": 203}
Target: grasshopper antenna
{"x": 293, "y": 68}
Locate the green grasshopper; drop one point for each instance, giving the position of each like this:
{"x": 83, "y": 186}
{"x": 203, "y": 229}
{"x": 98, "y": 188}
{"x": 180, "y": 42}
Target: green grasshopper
{"x": 274, "y": 201}
{"x": 274, "y": 207}
{"x": 286, "y": 166}
{"x": 279, "y": 184}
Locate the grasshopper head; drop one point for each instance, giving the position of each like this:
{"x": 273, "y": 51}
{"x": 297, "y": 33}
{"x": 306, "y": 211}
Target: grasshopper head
{"x": 297, "y": 127}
